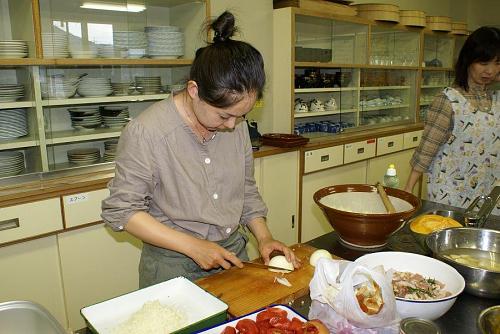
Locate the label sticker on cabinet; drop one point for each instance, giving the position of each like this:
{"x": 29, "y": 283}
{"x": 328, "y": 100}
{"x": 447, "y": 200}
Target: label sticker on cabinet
{"x": 77, "y": 198}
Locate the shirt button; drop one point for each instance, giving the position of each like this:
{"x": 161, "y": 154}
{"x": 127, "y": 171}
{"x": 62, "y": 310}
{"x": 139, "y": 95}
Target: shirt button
{"x": 228, "y": 230}
{"x": 207, "y": 160}
{"x": 215, "y": 196}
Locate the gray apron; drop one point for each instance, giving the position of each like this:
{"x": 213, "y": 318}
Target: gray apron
{"x": 159, "y": 264}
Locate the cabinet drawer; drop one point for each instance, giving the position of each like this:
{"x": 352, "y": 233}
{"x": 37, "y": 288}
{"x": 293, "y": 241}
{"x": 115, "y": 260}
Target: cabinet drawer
{"x": 83, "y": 208}
{"x": 29, "y": 220}
{"x": 412, "y": 139}
{"x": 389, "y": 144}
{"x": 359, "y": 150}
{"x": 323, "y": 158}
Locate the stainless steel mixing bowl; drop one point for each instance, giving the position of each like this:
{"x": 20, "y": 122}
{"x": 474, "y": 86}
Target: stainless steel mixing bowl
{"x": 489, "y": 320}
{"x": 478, "y": 281}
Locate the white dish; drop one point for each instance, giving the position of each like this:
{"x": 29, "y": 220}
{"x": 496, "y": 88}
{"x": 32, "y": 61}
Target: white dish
{"x": 427, "y": 267}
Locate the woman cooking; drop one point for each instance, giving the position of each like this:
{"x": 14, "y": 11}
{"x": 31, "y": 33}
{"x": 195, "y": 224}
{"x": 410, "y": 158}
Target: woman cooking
{"x": 184, "y": 171}
{"x": 460, "y": 143}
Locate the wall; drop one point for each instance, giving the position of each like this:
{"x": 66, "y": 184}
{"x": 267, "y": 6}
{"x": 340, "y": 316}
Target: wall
{"x": 255, "y": 21}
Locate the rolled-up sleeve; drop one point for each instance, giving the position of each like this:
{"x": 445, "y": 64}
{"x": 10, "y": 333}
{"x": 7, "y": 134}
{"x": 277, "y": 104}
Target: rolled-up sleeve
{"x": 253, "y": 205}
{"x": 437, "y": 130}
{"x": 132, "y": 186}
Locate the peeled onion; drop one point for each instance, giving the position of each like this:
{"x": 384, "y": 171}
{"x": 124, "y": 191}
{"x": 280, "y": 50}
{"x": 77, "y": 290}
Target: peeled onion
{"x": 280, "y": 261}
{"x": 318, "y": 254}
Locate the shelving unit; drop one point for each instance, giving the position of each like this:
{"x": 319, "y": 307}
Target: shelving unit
{"x": 41, "y": 23}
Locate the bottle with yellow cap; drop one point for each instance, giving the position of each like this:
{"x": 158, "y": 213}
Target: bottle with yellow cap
{"x": 391, "y": 178}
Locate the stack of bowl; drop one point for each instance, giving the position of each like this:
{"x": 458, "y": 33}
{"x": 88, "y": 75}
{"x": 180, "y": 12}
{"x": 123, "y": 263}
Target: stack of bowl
{"x": 59, "y": 87}
{"x": 94, "y": 87}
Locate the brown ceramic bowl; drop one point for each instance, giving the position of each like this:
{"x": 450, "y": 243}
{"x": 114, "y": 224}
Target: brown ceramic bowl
{"x": 357, "y": 213}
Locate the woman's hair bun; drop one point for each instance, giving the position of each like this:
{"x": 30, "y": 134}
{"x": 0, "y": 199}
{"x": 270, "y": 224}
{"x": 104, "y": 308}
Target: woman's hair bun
{"x": 223, "y": 27}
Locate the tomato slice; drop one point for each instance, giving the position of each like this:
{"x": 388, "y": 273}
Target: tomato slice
{"x": 247, "y": 326}
{"x": 229, "y": 330}
{"x": 296, "y": 325}
{"x": 270, "y": 312}
{"x": 280, "y": 322}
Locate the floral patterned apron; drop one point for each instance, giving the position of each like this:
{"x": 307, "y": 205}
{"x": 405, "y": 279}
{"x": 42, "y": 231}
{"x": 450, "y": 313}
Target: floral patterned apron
{"x": 467, "y": 165}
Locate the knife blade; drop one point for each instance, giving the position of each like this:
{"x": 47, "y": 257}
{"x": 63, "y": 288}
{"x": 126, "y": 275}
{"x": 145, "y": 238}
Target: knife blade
{"x": 264, "y": 266}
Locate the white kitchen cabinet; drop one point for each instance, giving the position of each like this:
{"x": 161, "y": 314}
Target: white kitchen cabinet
{"x": 277, "y": 180}
{"x": 313, "y": 221}
{"x": 31, "y": 271}
{"x": 377, "y": 168}
{"x": 83, "y": 208}
{"x": 96, "y": 264}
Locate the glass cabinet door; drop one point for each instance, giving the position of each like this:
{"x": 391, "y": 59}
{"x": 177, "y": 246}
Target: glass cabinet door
{"x": 326, "y": 40}
{"x": 386, "y": 96}
{"x": 432, "y": 83}
{"x": 121, "y": 28}
{"x": 325, "y": 100}
{"x": 391, "y": 47}
{"x": 85, "y": 109}
{"x": 438, "y": 50}
{"x": 16, "y": 29}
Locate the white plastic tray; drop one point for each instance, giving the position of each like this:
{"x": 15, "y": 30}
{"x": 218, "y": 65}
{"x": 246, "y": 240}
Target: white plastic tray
{"x": 179, "y": 292}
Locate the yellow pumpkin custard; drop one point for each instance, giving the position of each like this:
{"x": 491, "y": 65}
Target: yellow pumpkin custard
{"x": 426, "y": 224}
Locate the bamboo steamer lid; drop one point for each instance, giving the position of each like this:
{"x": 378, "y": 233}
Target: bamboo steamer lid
{"x": 412, "y": 18}
{"x": 439, "y": 23}
{"x": 459, "y": 28}
{"x": 378, "y": 12}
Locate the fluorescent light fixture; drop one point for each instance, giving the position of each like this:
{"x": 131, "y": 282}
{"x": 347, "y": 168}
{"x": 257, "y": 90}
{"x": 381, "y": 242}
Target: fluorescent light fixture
{"x": 134, "y": 8}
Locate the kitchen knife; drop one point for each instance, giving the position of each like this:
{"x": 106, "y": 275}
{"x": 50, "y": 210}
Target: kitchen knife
{"x": 263, "y": 266}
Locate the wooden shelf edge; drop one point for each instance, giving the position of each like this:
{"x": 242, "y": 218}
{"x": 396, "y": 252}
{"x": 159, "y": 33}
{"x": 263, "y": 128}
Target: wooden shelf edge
{"x": 122, "y": 61}
{"x": 25, "y": 61}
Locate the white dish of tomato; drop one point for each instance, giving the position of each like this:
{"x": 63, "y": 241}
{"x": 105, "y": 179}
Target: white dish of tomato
{"x": 273, "y": 319}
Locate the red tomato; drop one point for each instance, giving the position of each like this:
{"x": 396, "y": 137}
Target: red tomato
{"x": 263, "y": 326}
{"x": 296, "y": 325}
{"x": 229, "y": 330}
{"x": 247, "y": 326}
{"x": 280, "y": 322}
{"x": 279, "y": 331}
{"x": 270, "y": 312}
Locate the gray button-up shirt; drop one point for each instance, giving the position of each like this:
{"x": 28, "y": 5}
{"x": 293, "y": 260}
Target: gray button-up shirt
{"x": 204, "y": 189}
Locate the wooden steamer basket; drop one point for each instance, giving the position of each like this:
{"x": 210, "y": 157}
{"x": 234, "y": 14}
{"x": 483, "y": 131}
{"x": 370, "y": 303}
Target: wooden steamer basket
{"x": 378, "y": 12}
{"x": 412, "y": 18}
{"x": 439, "y": 23}
{"x": 459, "y": 28}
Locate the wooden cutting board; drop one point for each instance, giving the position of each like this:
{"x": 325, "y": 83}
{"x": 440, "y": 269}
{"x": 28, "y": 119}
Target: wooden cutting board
{"x": 249, "y": 288}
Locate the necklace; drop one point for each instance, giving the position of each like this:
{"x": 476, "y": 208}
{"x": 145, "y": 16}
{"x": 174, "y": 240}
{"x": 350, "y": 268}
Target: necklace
{"x": 199, "y": 130}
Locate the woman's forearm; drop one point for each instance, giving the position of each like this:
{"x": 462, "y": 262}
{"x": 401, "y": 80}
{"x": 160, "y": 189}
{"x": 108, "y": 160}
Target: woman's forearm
{"x": 412, "y": 180}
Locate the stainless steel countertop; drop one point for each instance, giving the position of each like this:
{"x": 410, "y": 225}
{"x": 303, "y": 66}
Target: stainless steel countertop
{"x": 460, "y": 319}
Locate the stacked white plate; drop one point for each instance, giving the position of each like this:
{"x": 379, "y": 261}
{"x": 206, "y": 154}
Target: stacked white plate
{"x": 115, "y": 116}
{"x": 84, "y": 156}
{"x": 94, "y": 87}
{"x": 133, "y": 41}
{"x": 55, "y": 45}
{"x": 122, "y": 88}
{"x": 59, "y": 87}
{"x": 11, "y": 92}
{"x": 13, "y": 123}
{"x": 13, "y": 49}
{"x": 165, "y": 42}
{"x": 110, "y": 150}
{"x": 85, "y": 118}
{"x": 148, "y": 85}
{"x": 11, "y": 163}
{"x": 110, "y": 51}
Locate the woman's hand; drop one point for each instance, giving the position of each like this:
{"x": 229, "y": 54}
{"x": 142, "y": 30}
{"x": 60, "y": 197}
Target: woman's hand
{"x": 268, "y": 245}
{"x": 209, "y": 255}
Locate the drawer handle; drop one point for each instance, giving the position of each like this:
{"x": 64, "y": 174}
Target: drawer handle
{"x": 361, "y": 150}
{"x": 325, "y": 158}
{"x": 415, "y": 138}
{"x": 9, "y": 224}
{"x": 390, "y": 144}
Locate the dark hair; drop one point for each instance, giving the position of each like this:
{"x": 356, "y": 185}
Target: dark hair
{"x": 227, "y": 69}
{"x": 482, "y": 45}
